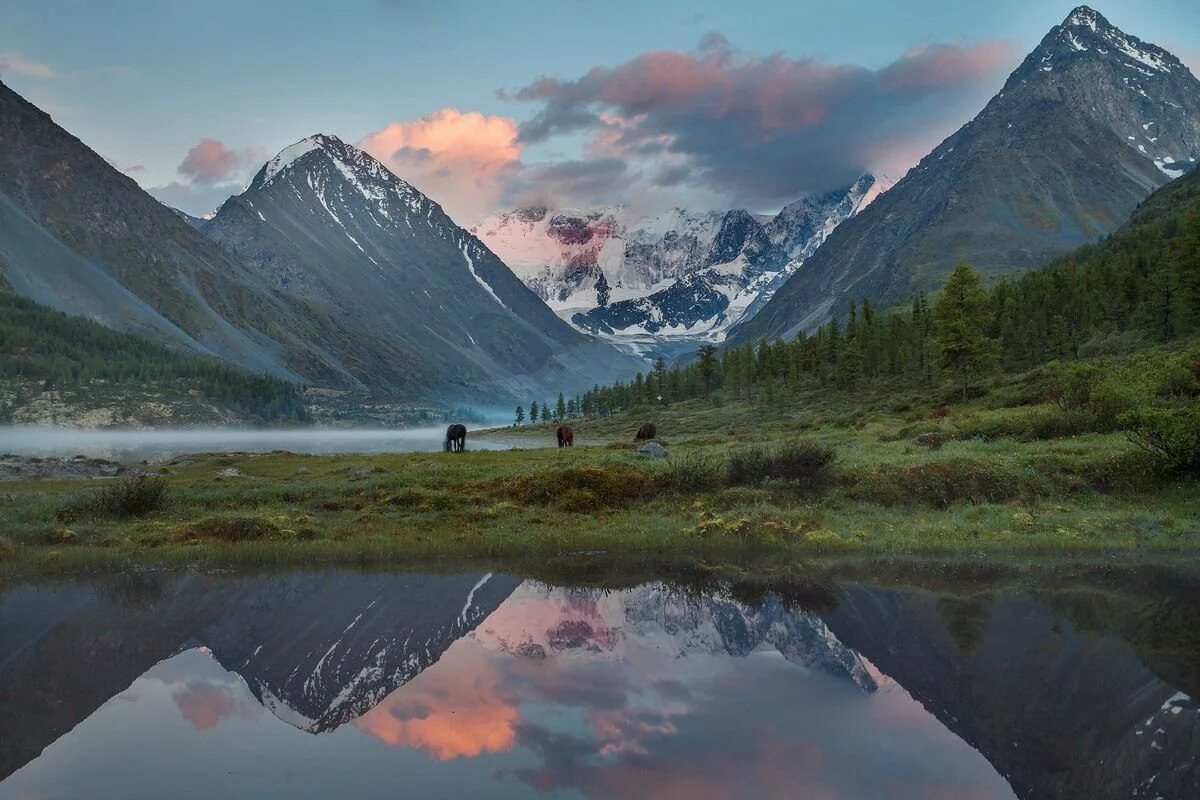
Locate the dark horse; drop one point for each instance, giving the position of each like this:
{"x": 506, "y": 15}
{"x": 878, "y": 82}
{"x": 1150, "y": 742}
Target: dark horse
{"x": 646, "y": 432}
{"x": 566, "y": 436}
{"x": 456, "y": 438}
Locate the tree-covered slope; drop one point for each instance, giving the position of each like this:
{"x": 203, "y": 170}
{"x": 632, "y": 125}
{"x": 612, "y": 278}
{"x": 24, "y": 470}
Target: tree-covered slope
{"x": 47, "y": 351}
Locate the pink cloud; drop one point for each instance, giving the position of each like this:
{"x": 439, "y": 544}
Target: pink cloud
{"x": 210, "y": 161}
{"x": 206, "y": 704}
{"x": 460, "y": 710}
{"x": 766, "y": 128}
{"x": 14, "y": 62}
{"x": 460, "y": 159}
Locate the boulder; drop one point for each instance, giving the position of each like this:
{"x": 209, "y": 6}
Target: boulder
{"x": 653, "y": 450}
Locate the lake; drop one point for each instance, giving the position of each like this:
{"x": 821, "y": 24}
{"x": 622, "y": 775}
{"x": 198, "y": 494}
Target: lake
{"x": 165, "y": 443}
{"x": 657, "y": 682}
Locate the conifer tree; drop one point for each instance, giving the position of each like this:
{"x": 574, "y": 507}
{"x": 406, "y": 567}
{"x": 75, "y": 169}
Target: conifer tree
{"x": 961, "y": 319}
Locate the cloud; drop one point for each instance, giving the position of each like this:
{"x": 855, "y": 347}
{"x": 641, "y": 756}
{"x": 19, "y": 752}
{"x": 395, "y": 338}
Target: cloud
{"x": 210, "y": 162}
{"x": 463, "y": 160}
{"x": 14, "y": 62}
{"x": 595, "y": 180}
{"x": 448, "y": 713}
{"x": 205, "y": 704}
{"x": 764, "y": 129}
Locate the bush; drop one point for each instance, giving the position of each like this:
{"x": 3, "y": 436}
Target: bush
{"x": 695, "y": 472}
{"x": 593, "y": 486}
{"x": 233, "y": 529}
{"x": 128, "y": 497}
{"x": 808, "y": 465}
{"x": 1031, "y": 424}
{"x": 941, "y": 483}
{"x": 1170, "y": 434}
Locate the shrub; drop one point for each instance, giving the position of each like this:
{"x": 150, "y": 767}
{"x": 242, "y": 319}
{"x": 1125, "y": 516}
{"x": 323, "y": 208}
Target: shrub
{"x": 128, "y": 497}
{"x": 941, "y": 483}
{"x": 606, "y": 485}
{"x": 1031, "y": 424}
{"x": 233, "y": 529}
{"x": 808, "y": 465}
{"x": 695, "y": 472}
{"x": 1170, "y": 434}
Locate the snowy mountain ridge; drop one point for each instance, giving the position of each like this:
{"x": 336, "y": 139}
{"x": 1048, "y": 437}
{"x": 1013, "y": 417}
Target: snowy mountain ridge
{"x": 679, "y": 277}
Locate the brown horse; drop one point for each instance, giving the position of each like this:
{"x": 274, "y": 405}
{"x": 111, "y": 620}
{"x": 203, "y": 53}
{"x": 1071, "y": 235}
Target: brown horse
{"x": 456, "y": 438}
{"x": 566, "y": 436}
{"x": 647, "y": 432}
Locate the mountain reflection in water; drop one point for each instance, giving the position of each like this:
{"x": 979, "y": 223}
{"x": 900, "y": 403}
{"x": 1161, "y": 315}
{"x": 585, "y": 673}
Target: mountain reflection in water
{"x": 317, "y": 684}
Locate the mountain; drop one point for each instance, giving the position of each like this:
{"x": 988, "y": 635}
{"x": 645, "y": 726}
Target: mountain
{"x": 320, "y": 651}
{"x": 678, "y": 277}
{"x": 1084, "y": 129}
{"x": 539, "y": 621}
{"x": 327, "y": 223}
{"x": 83, "y": 238}
{"x": 1058, "y": 710}
{"x": 317, "y": 649}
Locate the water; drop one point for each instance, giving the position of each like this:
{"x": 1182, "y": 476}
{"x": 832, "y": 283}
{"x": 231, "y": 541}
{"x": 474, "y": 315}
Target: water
{"x": 161, "y": 444}
{"x": 484, "y": 684}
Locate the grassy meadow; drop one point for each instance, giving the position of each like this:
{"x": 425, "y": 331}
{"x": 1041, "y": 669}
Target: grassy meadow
{"x": 880, "y": 472}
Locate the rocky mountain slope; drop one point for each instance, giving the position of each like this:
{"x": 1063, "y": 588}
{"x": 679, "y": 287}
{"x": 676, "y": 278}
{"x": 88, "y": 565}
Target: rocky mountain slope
{"x": 327, "y": 223}
{"x": 357, "y": 281}
{"x": 1085, "y": 128}
{"x": 679, "y": 276}
{"x": 539, "y": 621}
{"x": 81, "y": 237}
{"x": 1058, "y": 711}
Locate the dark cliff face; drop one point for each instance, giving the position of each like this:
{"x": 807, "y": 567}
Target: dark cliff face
{"x": 1086, "y": 127}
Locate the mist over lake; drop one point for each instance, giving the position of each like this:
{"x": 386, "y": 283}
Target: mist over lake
{"x": 165, "y": 443}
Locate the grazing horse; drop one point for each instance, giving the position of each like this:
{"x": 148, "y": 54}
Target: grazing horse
{"x": 456, "y": 438}
{"x": 646, "y": 432}
{"x": 566, "y": 436}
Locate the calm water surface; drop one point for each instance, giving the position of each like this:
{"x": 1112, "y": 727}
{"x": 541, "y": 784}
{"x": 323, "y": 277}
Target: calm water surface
{"x": 345, "y": 684}
{"x": 164, "y": 443}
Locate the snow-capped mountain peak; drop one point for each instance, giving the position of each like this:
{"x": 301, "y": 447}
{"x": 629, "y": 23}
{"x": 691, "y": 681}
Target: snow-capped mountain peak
{"x": 659, "y": 284}
{"x": 363, "y": 172}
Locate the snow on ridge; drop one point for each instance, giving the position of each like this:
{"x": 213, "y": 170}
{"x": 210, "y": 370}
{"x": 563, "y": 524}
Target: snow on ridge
{"x": 466, "y": 247}
{"x": 288, "y": 156}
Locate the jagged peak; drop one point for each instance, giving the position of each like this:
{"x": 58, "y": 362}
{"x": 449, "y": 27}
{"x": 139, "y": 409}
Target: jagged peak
{"x": 1087, "y": 31}
{"x": 1087, "y": 17}
{"x": 349, "y": 160}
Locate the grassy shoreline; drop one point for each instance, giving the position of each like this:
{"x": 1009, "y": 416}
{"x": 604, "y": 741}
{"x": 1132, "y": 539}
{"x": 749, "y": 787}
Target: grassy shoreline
{"x": 884, "y": 495}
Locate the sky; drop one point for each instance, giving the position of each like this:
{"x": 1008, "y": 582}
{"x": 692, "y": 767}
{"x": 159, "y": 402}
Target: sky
{"x": 491, "y": 105}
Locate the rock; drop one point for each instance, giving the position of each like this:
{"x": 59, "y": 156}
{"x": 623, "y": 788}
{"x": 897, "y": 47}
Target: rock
{"x": 230, "y": 472}
{"x": 652, "y": 449}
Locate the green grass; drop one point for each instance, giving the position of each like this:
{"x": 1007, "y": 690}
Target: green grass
{"x": 882, "y": 494}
